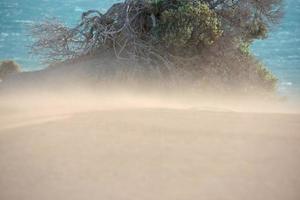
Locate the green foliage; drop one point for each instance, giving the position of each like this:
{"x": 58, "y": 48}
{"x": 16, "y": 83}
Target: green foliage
{"x": 267, "y": 80}
{"x": 244, "y": 47}
{"x": 189, "y": 26}
{"x": 8, "y": 67}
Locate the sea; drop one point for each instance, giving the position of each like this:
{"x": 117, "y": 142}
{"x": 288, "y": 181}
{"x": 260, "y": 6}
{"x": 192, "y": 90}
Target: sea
{"x": 280, "y": 51}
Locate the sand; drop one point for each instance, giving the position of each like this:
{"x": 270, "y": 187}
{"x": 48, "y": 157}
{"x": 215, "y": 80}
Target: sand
{"x": 72, "y": 152}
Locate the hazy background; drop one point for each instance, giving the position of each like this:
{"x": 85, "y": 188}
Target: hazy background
{"x": 281, "y": 51}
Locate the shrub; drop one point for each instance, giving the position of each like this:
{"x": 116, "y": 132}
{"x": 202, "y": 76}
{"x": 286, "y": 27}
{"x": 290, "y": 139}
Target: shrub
{"x": 8, "y": 67}
{"x": 208, "y": 39}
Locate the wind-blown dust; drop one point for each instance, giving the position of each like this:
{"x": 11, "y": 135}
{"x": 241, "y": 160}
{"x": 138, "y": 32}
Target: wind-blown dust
{"x": 83, "y": 144}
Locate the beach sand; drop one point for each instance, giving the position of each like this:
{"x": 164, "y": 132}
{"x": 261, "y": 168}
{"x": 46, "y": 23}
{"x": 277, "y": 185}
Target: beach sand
{"x": 147, "y": 153}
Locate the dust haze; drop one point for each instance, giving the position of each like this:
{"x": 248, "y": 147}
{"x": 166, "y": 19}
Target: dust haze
{"x": 121, "y": 143}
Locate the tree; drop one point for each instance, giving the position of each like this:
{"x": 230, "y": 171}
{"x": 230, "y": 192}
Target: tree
{"x": 163, "y": 32}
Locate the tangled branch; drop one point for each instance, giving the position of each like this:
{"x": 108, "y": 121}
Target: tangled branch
{"x": 151, "y": 31}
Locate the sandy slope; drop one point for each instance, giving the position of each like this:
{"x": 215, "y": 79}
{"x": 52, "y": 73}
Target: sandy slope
{"x": 149, "y": 154}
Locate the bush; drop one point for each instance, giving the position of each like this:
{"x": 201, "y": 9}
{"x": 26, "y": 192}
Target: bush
{"x": 8, "y": 67}
{"x": 207, "y": 39}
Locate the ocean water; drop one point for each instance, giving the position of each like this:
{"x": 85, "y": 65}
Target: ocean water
{"x": 17, "y": 15}
{"x": 280, "y": 52}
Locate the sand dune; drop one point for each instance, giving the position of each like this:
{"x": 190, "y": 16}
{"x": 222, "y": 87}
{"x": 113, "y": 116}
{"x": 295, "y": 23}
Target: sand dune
{"x": 145, "y": 151}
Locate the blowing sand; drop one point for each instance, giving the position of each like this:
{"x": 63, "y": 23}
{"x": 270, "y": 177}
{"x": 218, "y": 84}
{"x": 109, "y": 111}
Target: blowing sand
{"x": 145, "y": 151}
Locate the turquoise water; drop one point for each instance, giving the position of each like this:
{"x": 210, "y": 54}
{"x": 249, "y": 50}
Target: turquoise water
{"x": 281, "y": 51}
{"x": 17, "y": 15}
